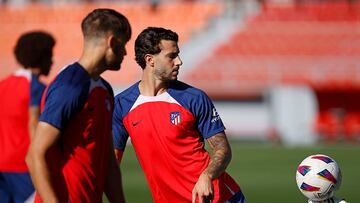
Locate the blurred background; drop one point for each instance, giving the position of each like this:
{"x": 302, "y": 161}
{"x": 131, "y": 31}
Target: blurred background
{"x": 284, "y": 76}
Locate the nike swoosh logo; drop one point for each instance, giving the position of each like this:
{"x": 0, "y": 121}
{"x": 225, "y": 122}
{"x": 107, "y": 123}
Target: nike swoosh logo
{"x": 135, "y": 124}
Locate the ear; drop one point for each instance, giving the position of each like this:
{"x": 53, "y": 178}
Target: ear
{"x": 110, "y": 41}
{"x": 149, "y": 59}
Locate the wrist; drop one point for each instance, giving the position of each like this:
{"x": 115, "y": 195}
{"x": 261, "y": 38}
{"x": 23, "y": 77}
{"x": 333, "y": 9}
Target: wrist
{"x": 207, "y": 175}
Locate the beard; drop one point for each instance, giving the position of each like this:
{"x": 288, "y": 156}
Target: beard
{"x": 113, "y": 63}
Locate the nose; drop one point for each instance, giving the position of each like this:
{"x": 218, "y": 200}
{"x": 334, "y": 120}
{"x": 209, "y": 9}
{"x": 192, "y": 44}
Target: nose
{"x": 178, "y": 61}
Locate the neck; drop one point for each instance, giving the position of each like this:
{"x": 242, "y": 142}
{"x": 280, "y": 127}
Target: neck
{"x": 91, "y": 68}
{"x": 150, "y": 86}
{"x": 34, "y": 70}
{"x": 92, "y": 60}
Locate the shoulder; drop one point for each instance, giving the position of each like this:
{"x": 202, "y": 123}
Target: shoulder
{"x": 179, "y": 88}
{"x": 72, "y": 78}
{"x": 130, "y": 93}
{"x": 73, "y": 75}
{"x": 20, "y": 77}
{"x": 191, "y": 98}
{"x": 125, "y": 99}
{"x": 72, "y": 83}
{"x": 107, "y": 86}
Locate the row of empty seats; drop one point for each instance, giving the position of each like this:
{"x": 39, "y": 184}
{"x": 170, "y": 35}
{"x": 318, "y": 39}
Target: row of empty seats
{"x": 316, "y": 45}
{"x": 63, "y": 21}
{"x": 332, "y": 127}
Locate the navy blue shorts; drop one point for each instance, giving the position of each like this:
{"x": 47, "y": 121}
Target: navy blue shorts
{"x": 15, "y": 187}
{"x": 237, "y": 198}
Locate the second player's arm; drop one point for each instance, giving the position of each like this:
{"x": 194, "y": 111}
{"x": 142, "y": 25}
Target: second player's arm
{"x": 113, "y": 185}
{"x": 34, "y": 113}
{"x": 218, "y": 163}
{"x": 45, "y": 138}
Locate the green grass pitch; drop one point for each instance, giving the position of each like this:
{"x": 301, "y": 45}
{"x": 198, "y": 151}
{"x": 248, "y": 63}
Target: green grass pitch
{"x": 266, "y": 173}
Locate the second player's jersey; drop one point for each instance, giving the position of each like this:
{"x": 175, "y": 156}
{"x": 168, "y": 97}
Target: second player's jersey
{"x": 18, "y": 93}
{"x": 168, "y": 132}
{"x": 81, "y": 108}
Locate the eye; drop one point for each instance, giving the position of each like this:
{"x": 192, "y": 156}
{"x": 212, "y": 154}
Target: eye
{"x": 173, "y": 56}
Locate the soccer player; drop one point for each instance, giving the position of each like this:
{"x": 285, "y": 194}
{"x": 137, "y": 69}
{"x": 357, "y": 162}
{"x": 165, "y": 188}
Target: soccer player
{"x": 71, "y": 158}
{"x": 20, "y": 96}
{"x": 168, "y": 121}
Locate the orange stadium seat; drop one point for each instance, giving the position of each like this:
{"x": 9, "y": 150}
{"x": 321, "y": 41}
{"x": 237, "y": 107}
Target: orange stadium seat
{"x": 328, "y": 126}
{"x": 63, "y": 21}
{"x": 352, "y": 126}
{"x": 312, "y": 45}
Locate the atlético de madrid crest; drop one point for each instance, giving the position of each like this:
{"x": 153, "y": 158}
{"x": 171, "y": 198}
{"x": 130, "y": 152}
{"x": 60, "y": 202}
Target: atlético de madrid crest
{"x": 175, "y": 118}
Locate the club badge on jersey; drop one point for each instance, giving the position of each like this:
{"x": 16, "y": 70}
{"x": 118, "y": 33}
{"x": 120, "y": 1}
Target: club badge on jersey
{"x": 175, "y": 118}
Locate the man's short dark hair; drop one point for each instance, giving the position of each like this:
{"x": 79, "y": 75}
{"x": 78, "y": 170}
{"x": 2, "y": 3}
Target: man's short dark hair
{"x": 33, "y": 48}
{"x": 103, "y": 21}
{"x": 148, "y": 42}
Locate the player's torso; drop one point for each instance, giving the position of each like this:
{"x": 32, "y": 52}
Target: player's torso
{"x": 90, "y": 127}
{"x": 14, "y": 121}
{"x": 84, "y": 142}
{"x": 168, "y": 145}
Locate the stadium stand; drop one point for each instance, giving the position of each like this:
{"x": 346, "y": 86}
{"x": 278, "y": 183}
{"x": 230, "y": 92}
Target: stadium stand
{"x": 63, "y": 21}
{"x": 315, "y": 44}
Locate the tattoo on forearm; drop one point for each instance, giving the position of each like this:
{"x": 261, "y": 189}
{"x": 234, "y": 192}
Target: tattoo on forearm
{"x": 221, "y": 157}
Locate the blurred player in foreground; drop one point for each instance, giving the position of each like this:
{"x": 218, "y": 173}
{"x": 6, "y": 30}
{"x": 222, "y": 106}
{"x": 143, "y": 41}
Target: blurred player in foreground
{"x": 71, "y": 158}
{"x": 168, "y": 122}
{"x": 19, "y": 106}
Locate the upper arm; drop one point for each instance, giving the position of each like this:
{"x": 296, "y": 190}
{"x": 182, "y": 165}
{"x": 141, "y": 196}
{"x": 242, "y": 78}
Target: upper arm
{"x": 36, "y": 91}
{"x": 118, "y": 153}
{"x": 46, "y": 136}
{"x": 219, "y": 141}
{"x": 59, "y": 109}
{"x": 119, "y": 132}
{"x": 209, "y": 122}
{"x": 34, "y": 113}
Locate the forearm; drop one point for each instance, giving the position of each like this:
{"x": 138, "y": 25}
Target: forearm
{"x": 45, "y": 138}
{"x": 113, "y": 185}
{"x": 40, "y": 175}
{"x": 218, "y": 164}
{"x": 221, "y": 156}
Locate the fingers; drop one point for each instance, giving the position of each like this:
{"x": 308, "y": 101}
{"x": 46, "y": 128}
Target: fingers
{"x": 194, "y": 196}
{"x": 203, "y": 198}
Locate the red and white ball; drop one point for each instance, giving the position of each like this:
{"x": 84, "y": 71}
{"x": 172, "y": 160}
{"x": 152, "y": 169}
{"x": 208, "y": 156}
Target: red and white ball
{"x": 318, "y": 177}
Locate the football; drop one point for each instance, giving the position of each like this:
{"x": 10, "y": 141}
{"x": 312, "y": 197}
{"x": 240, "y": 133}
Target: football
{"x": 318, "y": 177}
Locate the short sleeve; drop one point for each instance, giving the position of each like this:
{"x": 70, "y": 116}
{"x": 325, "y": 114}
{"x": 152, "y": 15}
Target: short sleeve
{"x": 62, "y": 102}
{"x": 36, "y": 91}
{"x": 209, "y": 121}
{"x": 120, "y": 135}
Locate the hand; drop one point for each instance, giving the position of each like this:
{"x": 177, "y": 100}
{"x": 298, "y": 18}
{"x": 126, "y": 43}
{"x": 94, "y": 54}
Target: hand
{"x": 204, "y": 189}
